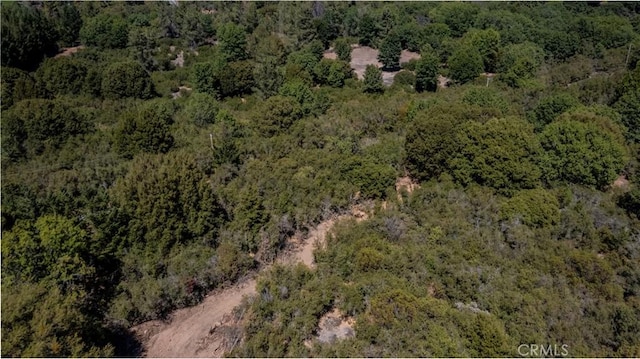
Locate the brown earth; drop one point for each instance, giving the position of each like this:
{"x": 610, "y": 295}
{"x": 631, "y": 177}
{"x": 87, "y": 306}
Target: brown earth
{"x": 210, "y": 329}
{"x": 361, "y": 56}
{"x": 68, "y": 51}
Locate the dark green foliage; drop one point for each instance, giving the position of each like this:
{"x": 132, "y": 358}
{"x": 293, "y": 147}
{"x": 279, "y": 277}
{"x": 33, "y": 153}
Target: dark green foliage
{"x": 310, "y": 102}
{"x": 276, "y": 114}
{"x": 427, "y": 72}
{"x": 62, "y": 76}
{"x": 33, "y": 126}
{"x": 27, "y": 36}
{"x": 342, "y": 48}
{"x": 372, "y": 80}
{"x": 371, "y": 177}
{"x": 17, "y": 85}
{"x": 105, "y": 31}
{"x": 581, "y": 153}
{"x": 405, "y": 79}
{"x": 534, "y": 207}
{"x": 458, "y": 17}
{"x": 630, "y": 201}
{"x": 126, "y": 79}
{"x": 520, "y": 62}
{"x": 431, "y": 142}
{"x": 232, "y": 42}
{"x": 66, "y": 20}
{"x": 465, "y": 64}
{"x": 146, "y": 129}
{"x": 487, "y": 42}
{"x": 236, "y": 79}
{"x": 549, "y": 108}
{"x": 628, "y": 104}
{"x": 502, "y": 154}
{"x": 206, "y": 76}
{"x": 390, "y": 51}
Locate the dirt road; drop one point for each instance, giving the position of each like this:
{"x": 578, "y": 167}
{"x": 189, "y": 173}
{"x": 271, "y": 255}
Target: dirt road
{"x": 196, "y": 331}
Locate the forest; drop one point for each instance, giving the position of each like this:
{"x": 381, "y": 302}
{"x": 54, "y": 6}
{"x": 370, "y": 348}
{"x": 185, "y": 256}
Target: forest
{"x": 154, "y": 152}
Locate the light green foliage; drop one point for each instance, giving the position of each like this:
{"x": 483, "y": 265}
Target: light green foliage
{"x": 201, "y": 109}
{"x": 310, "y": 102}
{"x": 534, "y": 207}
{"x": 581, "y": 153}
{"x": 369, "y": 175}
{"x": 27, "y": 36}
{"x": 465, "y": 64}
{"x": 145, "y": 129}
{"x": 126, "y": 79}
{"x": 489, "y": 99}
{"x": 105, "y": 31}
{"x": 373, "y": 80}
{"x": 502, "y": 154}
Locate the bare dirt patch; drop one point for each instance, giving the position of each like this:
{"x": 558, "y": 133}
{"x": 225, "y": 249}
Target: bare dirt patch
{"x": 361, "y": 56}
{"x": 443, "y": 82}
{"x": 181, "y": 89}
{"x": 68, "y": 51}
{"x": 210, "y": 329}
{"x": 621, "y": 182}
{"x": 179, "y": 60}
{"x": 335, "y": 326}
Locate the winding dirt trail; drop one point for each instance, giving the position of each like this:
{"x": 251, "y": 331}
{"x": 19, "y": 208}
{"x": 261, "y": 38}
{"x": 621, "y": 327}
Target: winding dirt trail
{"x": 203, "y": 331}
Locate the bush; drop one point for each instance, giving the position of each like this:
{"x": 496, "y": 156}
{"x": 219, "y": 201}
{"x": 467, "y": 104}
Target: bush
{"x": 105, "y": 31}
{"x": 373, "y": 80}
{"x": 201, "y": 109}
{"x": 535, "y": 207}
{"x": 581, "y": 153}
{"x": 145, "y": 129}
{"x": 127, "y": 79}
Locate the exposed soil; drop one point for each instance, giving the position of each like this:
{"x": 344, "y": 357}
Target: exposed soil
{"x": 621, "y": 182}
{"x": 179, "y": 61}
{"x": 181, "y": 89}
{"x": 68, "y": 51}
{"x": 335, "y": 326}
{"x": 443, "y": 82}
{"x": 361, "y": 56}
{"x": 210, "y": 329}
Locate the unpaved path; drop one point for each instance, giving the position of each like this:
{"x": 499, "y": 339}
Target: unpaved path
{"x": 192, "y": 332}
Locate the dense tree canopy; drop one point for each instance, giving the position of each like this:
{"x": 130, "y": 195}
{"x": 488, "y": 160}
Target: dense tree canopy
{"x": 484, "y": 195}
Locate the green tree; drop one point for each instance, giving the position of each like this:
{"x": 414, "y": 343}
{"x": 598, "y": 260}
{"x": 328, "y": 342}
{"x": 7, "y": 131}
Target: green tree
{"x": 237, "y": 79}
{"x": 105, "y": 31}
{"x": 27, "y": 36}
{"x": 627, "y": 103}
{"x": 66, "y": 19}
{"x": 465, "y": 64}
{"x": 62, "y": 76}
{"x": 373, "y": 80}
{"x": 232, "y": 42}
{"x": 431, "y": 142}
{"x": 502, "y": 154}
{"x": 487, "y": 42}
{"x": 276, "y": 114}
{"x": 459, "y": 17}
{"x": 390, "y": 51}
{"x": 126, "y": 79}
{"x": 427, "y": 72}
{"x": 145, "y": 129}
{"x": 343, "y": 49}
{"x": 32, "y": 126}
{"x": 549, "y": 108}
{"x": 520, "y": 62}
{"x": 201, "y": 109}
{"x": 581, "y": 153}
{"x": 17, "y": 85}
{"x": 535, "y": 207}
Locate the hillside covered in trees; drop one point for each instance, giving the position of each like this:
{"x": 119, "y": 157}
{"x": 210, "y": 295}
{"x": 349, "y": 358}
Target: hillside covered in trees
{"x": 153, "y": 152}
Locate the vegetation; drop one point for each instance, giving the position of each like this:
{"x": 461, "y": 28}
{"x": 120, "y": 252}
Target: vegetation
{"x": 183, "y": 145}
